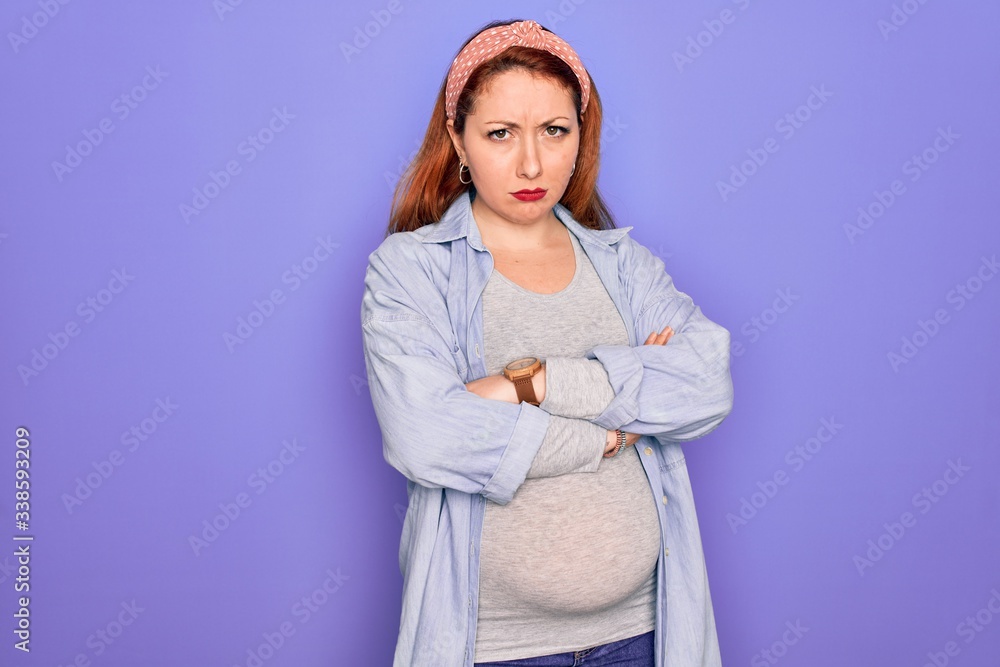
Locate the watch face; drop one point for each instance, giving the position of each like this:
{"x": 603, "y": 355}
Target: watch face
{"x": 521, "y": 363}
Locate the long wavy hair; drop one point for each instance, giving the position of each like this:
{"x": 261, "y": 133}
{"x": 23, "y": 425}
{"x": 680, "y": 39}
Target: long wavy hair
{"x": 430, "y": 183}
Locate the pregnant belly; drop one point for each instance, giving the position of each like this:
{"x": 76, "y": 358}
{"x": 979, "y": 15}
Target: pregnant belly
{"x": 573, "y": 543}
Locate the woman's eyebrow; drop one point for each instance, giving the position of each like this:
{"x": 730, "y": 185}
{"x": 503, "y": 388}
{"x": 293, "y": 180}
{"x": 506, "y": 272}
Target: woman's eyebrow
{"x": 509, "y": 123}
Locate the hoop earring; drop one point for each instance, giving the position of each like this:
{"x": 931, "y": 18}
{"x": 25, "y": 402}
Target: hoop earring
{"x": 462, "y": 166}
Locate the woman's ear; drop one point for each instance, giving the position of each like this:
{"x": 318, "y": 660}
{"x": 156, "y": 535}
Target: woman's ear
{"x": 456, "y": 139}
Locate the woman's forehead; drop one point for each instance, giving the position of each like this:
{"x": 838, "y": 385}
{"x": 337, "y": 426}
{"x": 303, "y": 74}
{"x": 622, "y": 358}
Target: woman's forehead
{"x": 519, "y": 91}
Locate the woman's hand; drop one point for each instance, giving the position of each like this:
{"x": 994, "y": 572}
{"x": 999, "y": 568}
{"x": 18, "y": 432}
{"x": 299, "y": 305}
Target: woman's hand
{"x": 660, "y": 338}
{"x": 612, "y": 442}
{"x": 631, "y": 438}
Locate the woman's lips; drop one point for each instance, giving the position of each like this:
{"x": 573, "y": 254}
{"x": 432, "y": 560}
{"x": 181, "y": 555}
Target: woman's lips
{"x": 529, "y": 195}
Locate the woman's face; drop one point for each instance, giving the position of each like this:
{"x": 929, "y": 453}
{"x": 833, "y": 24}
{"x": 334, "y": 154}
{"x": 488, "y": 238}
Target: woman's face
{"x": 522, "y": 136}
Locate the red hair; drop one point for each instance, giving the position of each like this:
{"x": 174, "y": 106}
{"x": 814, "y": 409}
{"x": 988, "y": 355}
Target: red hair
{"x": 430, "y": 183}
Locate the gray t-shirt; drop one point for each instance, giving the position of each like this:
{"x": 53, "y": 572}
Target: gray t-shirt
{"x": 570, "y": 561}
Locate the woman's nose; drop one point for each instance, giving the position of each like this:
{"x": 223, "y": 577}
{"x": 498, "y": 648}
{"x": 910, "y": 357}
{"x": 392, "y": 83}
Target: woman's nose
{"x": 531, "y": 165}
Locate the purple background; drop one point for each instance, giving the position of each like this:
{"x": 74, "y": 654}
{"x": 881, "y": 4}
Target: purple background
{"x": 331, "y": 513}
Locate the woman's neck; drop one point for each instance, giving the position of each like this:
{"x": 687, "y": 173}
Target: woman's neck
{"x": 510, "y": 236}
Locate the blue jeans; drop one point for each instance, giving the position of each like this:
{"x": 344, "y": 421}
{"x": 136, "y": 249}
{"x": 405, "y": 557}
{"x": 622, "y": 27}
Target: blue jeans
{"x": 631, "y": 652}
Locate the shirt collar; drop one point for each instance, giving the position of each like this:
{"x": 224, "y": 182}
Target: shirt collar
{"x": 458, "y": 222}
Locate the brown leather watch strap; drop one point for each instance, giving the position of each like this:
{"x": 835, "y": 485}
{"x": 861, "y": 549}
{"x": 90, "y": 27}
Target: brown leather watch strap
{"x": 525, "y": 390}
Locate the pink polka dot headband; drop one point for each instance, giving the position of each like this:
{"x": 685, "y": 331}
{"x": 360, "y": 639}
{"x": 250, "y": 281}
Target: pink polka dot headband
{"x": 494, "y": 41}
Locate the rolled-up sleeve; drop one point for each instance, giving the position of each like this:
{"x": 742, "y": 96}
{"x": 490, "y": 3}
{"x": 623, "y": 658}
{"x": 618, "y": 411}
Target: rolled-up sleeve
{"x": 679, "y": 391}
{"x": 570, "y": 446}
{"x": 576, "y": 387}
{"x": 434, "y": 431}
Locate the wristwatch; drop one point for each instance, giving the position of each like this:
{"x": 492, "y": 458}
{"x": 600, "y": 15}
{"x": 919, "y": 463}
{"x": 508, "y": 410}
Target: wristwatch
{"x": 520, "y": 372}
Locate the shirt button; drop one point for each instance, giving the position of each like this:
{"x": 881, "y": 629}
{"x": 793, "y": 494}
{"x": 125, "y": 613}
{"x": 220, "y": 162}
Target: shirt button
{"x": 664, "y": 500}
{"x": 666, "y": 551}
{"x": 648, "y": 450}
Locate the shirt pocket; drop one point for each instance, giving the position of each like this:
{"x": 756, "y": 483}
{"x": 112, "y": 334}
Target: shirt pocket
{"x": 671, "y": 456}
{"x": 667, "y": 466}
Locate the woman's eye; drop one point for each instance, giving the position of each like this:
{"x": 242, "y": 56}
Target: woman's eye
{"x": 559, "y": 131}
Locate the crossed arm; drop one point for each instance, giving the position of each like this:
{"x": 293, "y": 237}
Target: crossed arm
{"x": 498, "y": 387}
{"x": 439, "y": 432}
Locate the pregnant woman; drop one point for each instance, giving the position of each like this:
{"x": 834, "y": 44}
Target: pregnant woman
{"x": 534, "y": 372}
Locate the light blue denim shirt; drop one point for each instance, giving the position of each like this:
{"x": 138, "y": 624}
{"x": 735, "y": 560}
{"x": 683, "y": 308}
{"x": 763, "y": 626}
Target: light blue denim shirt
{"x": 421, "y": 316}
